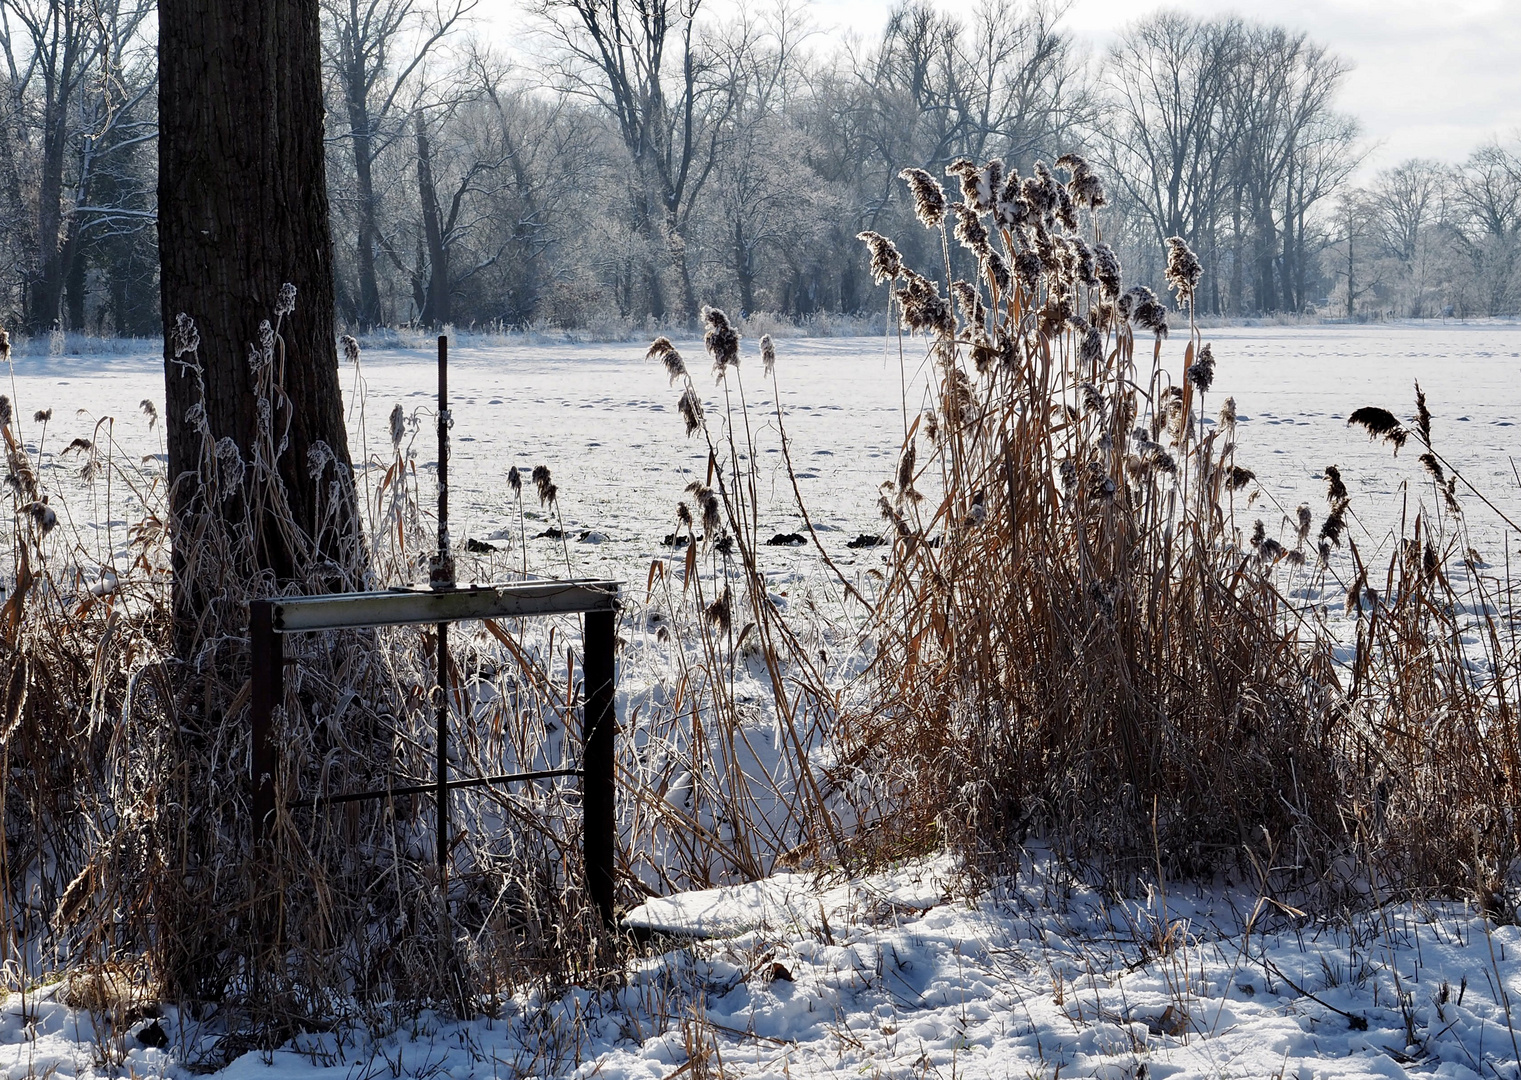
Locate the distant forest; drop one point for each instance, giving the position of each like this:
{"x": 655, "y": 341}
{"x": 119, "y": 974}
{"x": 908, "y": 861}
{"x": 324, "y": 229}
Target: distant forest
{"x": 628, "y": 162}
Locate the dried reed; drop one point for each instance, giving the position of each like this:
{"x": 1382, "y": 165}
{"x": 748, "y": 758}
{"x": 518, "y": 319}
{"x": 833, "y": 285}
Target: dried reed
{"x": 124, "y": 751}
{"x": 1079, "y": 640}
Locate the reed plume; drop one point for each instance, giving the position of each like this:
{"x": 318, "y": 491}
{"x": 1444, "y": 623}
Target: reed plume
{"x": 1202, "y": 371}
{"x": 721, "y": 340}
{"x": 1380, "y": 424}
{"x": 1183, "y": 269}
{"x": 886, "y": 262}
{"x": 1085, "y": 187}
{"x": 1106, "y": 267}
{"x": 929, "y": 198}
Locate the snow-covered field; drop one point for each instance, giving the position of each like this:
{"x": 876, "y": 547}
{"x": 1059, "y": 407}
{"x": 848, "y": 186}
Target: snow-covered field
{"x": 912, "y": 973}
{"x": 604, "y": 420}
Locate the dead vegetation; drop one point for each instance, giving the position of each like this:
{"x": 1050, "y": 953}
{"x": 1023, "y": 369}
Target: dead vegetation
{"x": 1086, "y": 633}
{"x": 128, "y": 841}
{"x": 1083, "y": 634}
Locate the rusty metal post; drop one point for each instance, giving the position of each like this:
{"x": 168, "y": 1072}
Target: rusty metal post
{"x": 600, "y": 829}
{"x": 441, "y": 766}
{"x": 267, "y": 673}
{"x": 443, "y": 578}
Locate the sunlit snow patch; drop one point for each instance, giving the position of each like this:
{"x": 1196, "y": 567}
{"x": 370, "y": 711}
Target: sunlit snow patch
{"x": 794, "y": 903}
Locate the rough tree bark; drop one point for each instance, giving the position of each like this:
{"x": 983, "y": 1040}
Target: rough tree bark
{"x": 243, "y": 209}
{"x": 435, "y": 310}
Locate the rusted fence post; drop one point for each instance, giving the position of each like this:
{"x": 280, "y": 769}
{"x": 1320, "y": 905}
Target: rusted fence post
{"x": 442, "y": 578}
{"x": 267, "y": 673}
{"x": 600, "y": 828}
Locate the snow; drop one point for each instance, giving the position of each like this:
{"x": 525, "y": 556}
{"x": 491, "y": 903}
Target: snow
{"x": 788, "y": 901}
{"x": 604, "y": 420}
{"x": 924, "y": 969}
{"x": 912, "y": 973}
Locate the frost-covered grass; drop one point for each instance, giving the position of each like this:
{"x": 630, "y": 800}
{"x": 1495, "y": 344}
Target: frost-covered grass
{"x": 907, "y": 973}
{"x": 991, "y": 980}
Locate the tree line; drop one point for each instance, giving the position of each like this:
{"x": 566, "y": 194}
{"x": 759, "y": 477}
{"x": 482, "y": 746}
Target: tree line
{"x": 631, "y": 162}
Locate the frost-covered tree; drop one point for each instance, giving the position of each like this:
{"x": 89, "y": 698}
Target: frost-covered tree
{"x": 1486, "y": 230}
{"x": 373, "y": 49}
{"x": 243, "y": 212}
{"x": 1225, "y": 132}
{"x": 1409, "y": 203}
{"x": 79, "y": 78}
{"x": 649, "y": 67}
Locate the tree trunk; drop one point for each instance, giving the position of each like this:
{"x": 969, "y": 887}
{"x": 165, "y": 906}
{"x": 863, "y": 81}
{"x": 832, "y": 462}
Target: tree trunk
{"x": 645, "y": 228}
{"x": 1301, "y": 262}
{"x": 243, "y": 209}
{"x": 744, "y": 269}
{"x": 368, "y": 309}
{"x": 1238, "y": 254}
{"x": 419, "y": 282}
{"x": 116, "y": 283}
{"x": 45, "y": 297}
{"x": 677, "y": 245}
{"x": 1351, "y": 273}
{"x": 435, "y": 310}
{"x": 1267, "y": 253}
{"x": 76, "y": 284}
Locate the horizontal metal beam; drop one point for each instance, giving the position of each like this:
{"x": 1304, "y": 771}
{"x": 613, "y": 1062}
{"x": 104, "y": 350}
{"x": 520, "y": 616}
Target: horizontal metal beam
{"x": 422, "y": 789}
{"x": 402, "y": 607}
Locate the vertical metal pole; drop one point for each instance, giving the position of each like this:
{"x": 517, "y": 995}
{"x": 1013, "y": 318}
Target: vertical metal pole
{"x": 443, "y": 577}
{"x": 267, "y": 672}
{"x": 600, "y": 830}
{"x": 441, "y": 779}
{"x": 443, "y": 570}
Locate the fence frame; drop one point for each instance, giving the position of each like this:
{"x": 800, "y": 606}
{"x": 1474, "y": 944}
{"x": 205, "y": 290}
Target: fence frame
{"x": 270, "y": 620}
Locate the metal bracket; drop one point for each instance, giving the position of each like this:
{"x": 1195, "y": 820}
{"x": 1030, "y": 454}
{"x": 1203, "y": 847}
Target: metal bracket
{"x": 269, "y": 620}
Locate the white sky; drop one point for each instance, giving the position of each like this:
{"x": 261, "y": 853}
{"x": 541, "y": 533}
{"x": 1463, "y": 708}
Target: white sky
{"x": 1430, "y": 78}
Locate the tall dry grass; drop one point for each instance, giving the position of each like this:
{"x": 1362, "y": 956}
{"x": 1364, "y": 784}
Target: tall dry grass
{"x": 1082, "y": 633}
{"x": 1085, "y": 633}
{"x": 124, "y": 750}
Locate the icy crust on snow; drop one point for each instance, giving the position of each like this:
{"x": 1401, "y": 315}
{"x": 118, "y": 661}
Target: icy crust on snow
{"x": 790, "y": 902}
{"x": 898, "y": 975}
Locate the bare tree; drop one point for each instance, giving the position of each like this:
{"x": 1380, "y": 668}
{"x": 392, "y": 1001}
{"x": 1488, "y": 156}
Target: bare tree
{"x": 646, "y": 65}
{"x": 1352, "y": 254}
{"x": 767, "y": 196}
{"x": 1487, "y": 228}
{"x": 1022, "y": 88}
{"x": 1409, "y": 198}
{"x": 74, "y": 85}
{"x": 1227, "y": 137}
{"x": 1168, "y": 142}
{"x": 447, "y": 218}
{"x": 362, "y": 43}
{"x": 1409, "y": 204}
{"x": 910, "y": 83}
{"x": 1001, "y": 81}
{"x": 552, "y": 164}
{"x": 1303, "y": 153}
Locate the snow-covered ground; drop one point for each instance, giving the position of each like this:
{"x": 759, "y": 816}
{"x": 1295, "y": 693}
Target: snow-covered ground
{"x": 604, "y": 420}
{"x": 912, "y": 973}
{"x": 902, "y": 975}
